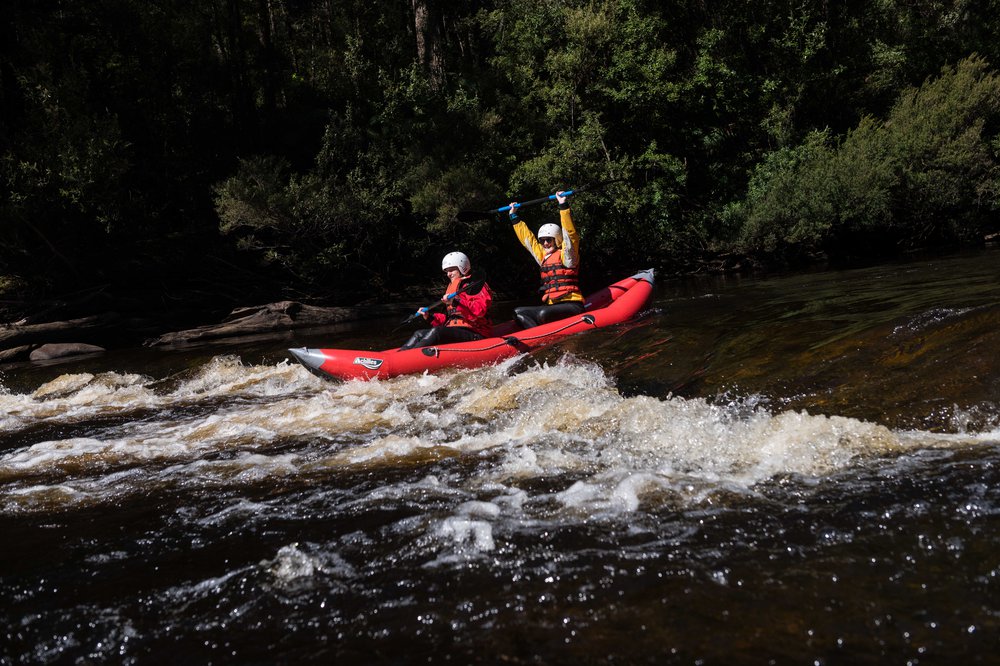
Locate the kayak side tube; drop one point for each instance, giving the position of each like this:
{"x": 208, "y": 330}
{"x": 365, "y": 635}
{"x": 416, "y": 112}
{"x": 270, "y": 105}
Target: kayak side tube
{"x": 612, "y": 305}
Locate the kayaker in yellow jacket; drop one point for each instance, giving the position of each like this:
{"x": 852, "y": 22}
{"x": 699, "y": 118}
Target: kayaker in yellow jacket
{"x": 557, "y": 251}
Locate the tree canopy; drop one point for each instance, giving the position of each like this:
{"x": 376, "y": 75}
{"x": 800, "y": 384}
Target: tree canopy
{"x": 246, "y": 149}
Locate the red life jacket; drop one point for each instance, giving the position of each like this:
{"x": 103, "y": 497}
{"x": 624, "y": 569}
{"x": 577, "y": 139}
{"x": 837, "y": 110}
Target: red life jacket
{"x": 557, "y": 280}
{"x": 453, "y": 315}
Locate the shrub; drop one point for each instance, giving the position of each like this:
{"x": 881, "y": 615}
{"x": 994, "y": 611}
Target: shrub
{"x": 927, "y": 174}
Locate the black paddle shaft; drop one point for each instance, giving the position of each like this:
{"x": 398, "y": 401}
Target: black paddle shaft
{"x": 472, "y": 215}
{"x": 475, "y": 286}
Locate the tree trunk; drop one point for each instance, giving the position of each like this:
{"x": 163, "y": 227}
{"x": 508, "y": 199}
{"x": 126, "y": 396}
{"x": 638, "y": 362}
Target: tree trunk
{"x": 428, "y": 39}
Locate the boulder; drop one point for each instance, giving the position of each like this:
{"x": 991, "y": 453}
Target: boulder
{"x": 63, "y": 349}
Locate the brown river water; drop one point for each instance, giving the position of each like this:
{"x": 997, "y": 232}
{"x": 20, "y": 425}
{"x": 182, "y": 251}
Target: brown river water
{"x": 796, "y": 469}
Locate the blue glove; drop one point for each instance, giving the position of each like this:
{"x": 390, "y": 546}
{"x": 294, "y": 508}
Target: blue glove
{"x": 513, "y": 211}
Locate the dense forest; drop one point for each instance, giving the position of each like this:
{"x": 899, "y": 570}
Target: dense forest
{"x": 234, "y": 151}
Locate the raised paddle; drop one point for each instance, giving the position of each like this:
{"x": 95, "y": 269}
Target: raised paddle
{"x": 472, "y": 215}
{"x": 475, "y": 285}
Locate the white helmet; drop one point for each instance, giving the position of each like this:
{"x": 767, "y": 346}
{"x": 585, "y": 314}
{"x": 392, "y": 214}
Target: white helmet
{"x": 458, "y": 260}
{"x": 551, "y": 231}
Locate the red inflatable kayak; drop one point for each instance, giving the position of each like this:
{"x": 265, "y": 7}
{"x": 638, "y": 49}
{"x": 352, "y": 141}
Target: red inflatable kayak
{"x": 611, "y": 305}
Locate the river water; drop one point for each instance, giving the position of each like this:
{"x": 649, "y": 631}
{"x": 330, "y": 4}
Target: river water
{"x": 796, "y": 469}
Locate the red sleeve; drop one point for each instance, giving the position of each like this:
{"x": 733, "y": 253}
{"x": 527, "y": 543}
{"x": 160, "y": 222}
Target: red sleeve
{"x": 474, "y": 306}
{"x": 437, "y": 319}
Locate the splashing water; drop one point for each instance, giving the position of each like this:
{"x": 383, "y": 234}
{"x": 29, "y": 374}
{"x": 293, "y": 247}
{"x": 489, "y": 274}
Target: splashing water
{"x": 658, "y": 492}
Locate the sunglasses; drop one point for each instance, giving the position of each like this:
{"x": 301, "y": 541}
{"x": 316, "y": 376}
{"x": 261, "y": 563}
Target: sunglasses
{"x": 546, "y": 241}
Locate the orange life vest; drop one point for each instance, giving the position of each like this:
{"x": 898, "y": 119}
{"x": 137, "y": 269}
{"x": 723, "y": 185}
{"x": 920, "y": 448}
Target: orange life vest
{"x": 557, "y": 280}
{"x": 452, "y": 316}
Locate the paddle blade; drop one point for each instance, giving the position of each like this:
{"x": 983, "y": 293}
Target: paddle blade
{"x": 406, "y": 322}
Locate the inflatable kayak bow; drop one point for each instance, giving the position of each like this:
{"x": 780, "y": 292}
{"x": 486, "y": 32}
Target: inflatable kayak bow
{"x": 614, "y": 304}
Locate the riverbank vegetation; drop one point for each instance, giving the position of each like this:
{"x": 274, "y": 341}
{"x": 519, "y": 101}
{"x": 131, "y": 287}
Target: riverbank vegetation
{"x": 235, "y": 151}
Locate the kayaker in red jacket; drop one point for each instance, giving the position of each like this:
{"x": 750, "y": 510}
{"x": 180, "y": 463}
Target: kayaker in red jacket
{"x": 467, "y": 303}
{"x": 557, "y": 251}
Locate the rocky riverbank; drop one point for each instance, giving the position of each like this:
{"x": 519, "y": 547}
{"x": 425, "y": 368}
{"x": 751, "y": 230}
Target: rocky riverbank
{"x": 27, "y": 339}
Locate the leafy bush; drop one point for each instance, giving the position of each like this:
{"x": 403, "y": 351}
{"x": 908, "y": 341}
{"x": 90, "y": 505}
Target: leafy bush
{"x": 927, "y": 174}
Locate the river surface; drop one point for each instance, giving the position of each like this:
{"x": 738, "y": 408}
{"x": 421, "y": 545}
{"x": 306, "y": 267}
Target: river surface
{"x": 793, "y": 470}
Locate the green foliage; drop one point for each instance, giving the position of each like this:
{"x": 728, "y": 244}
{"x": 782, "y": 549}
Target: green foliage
{"x": 257, "y": 200}
{"x": 594, "y": 85}
{"x": 65, "y": 179}
{"x": 338, "y": 140}
{"x": 316, "y": 225}
{"x": 10, "y": 284}
{"x": 942, "y": 135}
{"x": 927, "y": 174}
{"x": 783, "y": 195}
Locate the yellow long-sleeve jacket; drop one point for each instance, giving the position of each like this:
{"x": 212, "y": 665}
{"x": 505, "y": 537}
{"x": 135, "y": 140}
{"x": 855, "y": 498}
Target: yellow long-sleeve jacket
{"x": 568, "y": 254}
